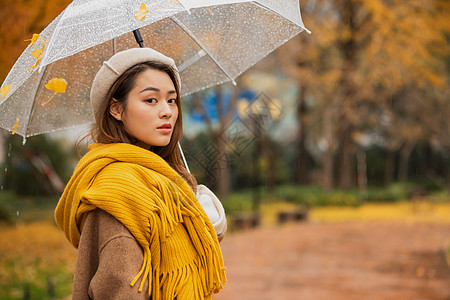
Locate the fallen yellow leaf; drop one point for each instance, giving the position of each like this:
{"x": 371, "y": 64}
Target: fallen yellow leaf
{"x": 57, "y": 85}
{"x": 141, "y": 13}
{"x": 4, "y": 90}
{"x": 33, "y": 39}
{"x": 15, "y": 126}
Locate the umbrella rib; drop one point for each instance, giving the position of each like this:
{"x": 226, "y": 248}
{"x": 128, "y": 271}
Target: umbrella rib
{"x": 199, "y": 43}
{"x": 34, "y": 101}
{"x": 51, "y": 42}
{"x": 280, "y": 15}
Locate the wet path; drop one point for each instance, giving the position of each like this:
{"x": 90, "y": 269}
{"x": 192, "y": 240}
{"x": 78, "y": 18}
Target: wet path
{"x": 370, "y": 260}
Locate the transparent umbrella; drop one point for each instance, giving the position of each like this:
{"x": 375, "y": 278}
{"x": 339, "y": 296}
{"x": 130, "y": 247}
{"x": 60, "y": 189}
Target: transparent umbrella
{"x": 211, "y": 41}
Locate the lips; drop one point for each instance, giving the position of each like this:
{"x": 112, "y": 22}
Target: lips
{"x": 165, "y": 126}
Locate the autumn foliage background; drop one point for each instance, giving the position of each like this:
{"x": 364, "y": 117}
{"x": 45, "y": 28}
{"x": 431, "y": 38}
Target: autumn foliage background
{"x": 371, "y": 107}
{"x": 376, "y": 69}
{"x": 372, "y": 90}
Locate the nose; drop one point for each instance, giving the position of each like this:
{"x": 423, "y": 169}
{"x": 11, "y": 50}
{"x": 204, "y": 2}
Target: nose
{"x": 165, "y": 112}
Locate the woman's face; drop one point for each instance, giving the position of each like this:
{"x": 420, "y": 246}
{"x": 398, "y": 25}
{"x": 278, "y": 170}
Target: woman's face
{"x": 151, "y": 111}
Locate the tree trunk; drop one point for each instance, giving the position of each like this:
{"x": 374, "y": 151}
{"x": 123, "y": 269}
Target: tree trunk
{"x": 448, "y": 178}
{"x": 405, "y": 153}
{"x": 346, "y": 96}
{"x": 328, "y": 170}
{"x": 221, "y": 168}
{"x": 302, "y": 164}
{"x": 346, "y": 169}
{"x": 328, "y": 156}
{"x": 389, "y": 167}
{"x": 271, "y": 157}
{"x": 362, "y": 175}
{"x": 3, "y": 147}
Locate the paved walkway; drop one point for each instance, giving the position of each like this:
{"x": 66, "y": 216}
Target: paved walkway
{"x": 370, "y": 260}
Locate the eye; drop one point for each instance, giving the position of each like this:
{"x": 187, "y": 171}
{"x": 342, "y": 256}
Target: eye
{"x": 172, "y": 101}
{"x": 151, "y": 101}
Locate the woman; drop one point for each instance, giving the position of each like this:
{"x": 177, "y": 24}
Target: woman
{"x": 130, "y": 207}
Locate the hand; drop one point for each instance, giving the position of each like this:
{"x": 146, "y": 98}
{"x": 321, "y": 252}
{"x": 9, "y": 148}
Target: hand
{"x": 222, "y": 235}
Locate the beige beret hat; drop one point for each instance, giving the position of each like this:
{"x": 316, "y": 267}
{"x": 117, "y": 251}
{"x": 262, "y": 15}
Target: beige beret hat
{"x": 117, "y": 65}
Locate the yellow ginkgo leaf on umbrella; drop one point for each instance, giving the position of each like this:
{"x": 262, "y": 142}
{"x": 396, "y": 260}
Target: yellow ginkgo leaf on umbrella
{"x": 36, "y": 64}
{"x": 37, "y": 53}
{"x": 44, "y": 43}
{"x": 33, "y": 39}
{"x": 57, "y": 85}
{"x": 141, "y": 13}
{"x": 15, "y": 126}
{"x": 4, "y": 90}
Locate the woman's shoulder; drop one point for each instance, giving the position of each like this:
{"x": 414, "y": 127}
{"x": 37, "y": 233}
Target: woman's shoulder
{"x": 103, "y": 227}
{"x": 100, "y": 217}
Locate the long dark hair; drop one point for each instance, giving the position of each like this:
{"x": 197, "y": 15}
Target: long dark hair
{"x": 107, "y": 129}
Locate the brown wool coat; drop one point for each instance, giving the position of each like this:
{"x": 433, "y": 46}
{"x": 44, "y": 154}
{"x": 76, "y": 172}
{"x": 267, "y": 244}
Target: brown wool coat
{"x": 108, "y": 259}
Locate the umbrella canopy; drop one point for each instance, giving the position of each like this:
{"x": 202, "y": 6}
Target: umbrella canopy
{"x": 211, "y": 41}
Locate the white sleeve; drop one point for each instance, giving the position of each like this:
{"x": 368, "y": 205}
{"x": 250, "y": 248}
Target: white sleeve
{"x": 213, "y": 208}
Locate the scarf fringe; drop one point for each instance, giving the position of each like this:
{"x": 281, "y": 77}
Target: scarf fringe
{"x": 209, "y": 259}
{"x": 171, "y": 285}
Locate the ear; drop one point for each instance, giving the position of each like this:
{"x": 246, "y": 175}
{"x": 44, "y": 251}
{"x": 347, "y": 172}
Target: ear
{"x": 115, "y": 109}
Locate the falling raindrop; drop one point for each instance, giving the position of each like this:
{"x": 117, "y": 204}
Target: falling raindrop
{"x": 24, "y": 141}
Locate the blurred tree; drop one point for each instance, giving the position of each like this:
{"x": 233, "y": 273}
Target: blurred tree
{"x": 371, "y": 64}
{"x": 37, "y": 168}
{"x": 224, "y": 111}
{"x": 409, "y": 46}
{"x": 20, "y": 19}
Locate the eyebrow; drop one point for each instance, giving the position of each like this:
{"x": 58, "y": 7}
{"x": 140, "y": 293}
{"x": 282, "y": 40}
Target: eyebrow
{"x": 156, "y": 90}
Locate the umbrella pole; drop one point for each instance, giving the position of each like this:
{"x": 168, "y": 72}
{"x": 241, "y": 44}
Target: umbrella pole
{"x": 138, "y": 37}
{"x": 184, "y": 158}
{"x": 140, "y": 41}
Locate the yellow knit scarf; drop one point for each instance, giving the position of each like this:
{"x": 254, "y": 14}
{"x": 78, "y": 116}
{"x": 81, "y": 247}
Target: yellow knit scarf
{"x": 150, "y": 198}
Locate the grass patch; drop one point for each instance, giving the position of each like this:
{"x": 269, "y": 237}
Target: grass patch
{"x": 392, "y": 193}
{"x": 401, "y": 211}
{"x": 238, "y": 202}
{"x": 299, "y": 196}
{"x": 15, "y": 209}
{"x": 315, "y": 196}
{"x": 35, "y": 259}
